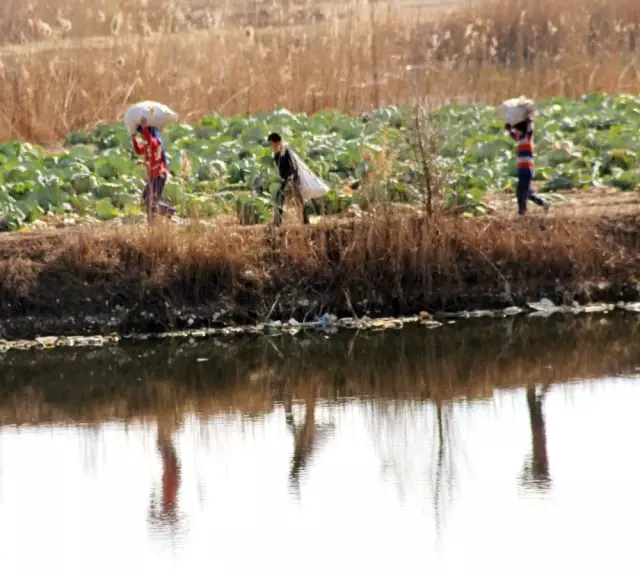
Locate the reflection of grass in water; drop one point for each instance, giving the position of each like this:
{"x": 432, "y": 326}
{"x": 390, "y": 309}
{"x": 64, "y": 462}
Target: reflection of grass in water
{"x": 468, "y": 360}
{"x": 91, "y": 440}
{"x": 417, "y": 444}
{"x": 309, "y": 438}
{"x": 398, "y": 371}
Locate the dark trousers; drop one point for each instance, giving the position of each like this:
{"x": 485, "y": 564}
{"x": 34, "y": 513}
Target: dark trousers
{"x": 152, "y": 197}
{"x": 526, "y": 192}
{"x": 288, "y": 189}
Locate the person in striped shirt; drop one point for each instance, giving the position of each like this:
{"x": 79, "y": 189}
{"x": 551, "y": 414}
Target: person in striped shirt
{"x": 522, "y": 133}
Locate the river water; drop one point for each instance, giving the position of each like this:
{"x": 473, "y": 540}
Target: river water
{"x": 497, "y": 447}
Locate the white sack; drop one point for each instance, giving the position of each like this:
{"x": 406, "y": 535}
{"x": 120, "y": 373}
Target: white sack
{"x": 156, "y": 115}
{"x": 516, "y": 110}
{"x": 310, "y": 185}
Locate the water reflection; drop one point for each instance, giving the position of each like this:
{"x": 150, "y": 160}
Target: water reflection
{"x": 164, "y": 513}
{"x": 416, "y": 391}
{"x": 419, "y": 447}
{"x": 163, "y": 383}
{"x": 442, "y": 420}
{"x": 536, "y": 475}
{"x": 308, "y": 437}
{"x": 468, "y": 360}
{"x": 445, "y": 469}
{"x": 304, "y": 438}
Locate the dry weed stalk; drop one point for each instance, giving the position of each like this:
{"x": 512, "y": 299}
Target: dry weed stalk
{"x": 425, "y": 140}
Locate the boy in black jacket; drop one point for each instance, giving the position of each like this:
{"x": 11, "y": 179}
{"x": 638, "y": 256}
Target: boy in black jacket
{"x": 290, "y": 184}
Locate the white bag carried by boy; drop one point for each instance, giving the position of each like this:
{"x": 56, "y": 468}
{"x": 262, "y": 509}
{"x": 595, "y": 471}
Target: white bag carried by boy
{"x": 310, "y": 185}
{"x": 516, "y": 110}
{"x": 155, "y": 114}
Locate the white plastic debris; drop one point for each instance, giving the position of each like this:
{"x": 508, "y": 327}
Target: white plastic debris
{"x": 545, "y": 305}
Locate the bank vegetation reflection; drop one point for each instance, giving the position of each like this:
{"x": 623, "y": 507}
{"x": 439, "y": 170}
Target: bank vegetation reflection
{"x": 163, "y": 384}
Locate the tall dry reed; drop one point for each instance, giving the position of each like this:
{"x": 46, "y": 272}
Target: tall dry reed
{"x": 350, "y": 59}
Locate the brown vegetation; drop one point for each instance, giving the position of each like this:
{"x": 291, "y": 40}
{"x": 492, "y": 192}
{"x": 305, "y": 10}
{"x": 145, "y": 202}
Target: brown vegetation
{"x": 154, "y": 279}
{"x": 354, "y": 59}
{"x": 39, "y": 20}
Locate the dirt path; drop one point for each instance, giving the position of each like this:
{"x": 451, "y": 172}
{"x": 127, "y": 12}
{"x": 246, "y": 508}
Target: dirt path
{"x": 590, "y": 205}
{"x": 580, "y": 203}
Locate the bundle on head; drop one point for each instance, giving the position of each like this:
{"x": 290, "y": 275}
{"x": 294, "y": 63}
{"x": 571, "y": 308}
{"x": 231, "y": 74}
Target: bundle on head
{"x": 516, "y": 110}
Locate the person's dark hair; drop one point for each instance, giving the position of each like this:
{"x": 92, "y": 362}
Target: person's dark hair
{"x": 274, "y": 137}
{"x": 523, "y": 126}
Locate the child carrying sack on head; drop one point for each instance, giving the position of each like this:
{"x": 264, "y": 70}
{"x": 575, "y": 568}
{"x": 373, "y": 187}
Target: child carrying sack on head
{"x": 153, "y": 150}
{"x": 522, "y": 133}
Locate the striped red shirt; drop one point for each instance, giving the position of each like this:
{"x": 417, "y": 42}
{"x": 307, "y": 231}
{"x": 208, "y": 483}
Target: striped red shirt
{"x": 525, "y": 147}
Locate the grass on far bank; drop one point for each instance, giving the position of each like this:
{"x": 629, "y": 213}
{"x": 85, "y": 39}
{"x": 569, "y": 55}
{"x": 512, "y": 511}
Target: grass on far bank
{"x": 374, "y": 54}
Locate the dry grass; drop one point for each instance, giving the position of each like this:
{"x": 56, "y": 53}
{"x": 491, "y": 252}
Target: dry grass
{"x": 353, "y": 60}
{"x": 390, "y": 264}
{"x": 466, "y": 360}
{"x": 42, "y": 20}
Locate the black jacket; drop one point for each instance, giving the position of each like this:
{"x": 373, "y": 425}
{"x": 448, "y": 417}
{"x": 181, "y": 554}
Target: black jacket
{"x": 285, "y": 163}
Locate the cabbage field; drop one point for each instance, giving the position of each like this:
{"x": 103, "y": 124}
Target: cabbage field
{"x": 222, "y": 163}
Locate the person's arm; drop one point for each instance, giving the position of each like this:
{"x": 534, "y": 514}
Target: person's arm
{"x": 136, "y": 145}
{"x": 511, "y": 131}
